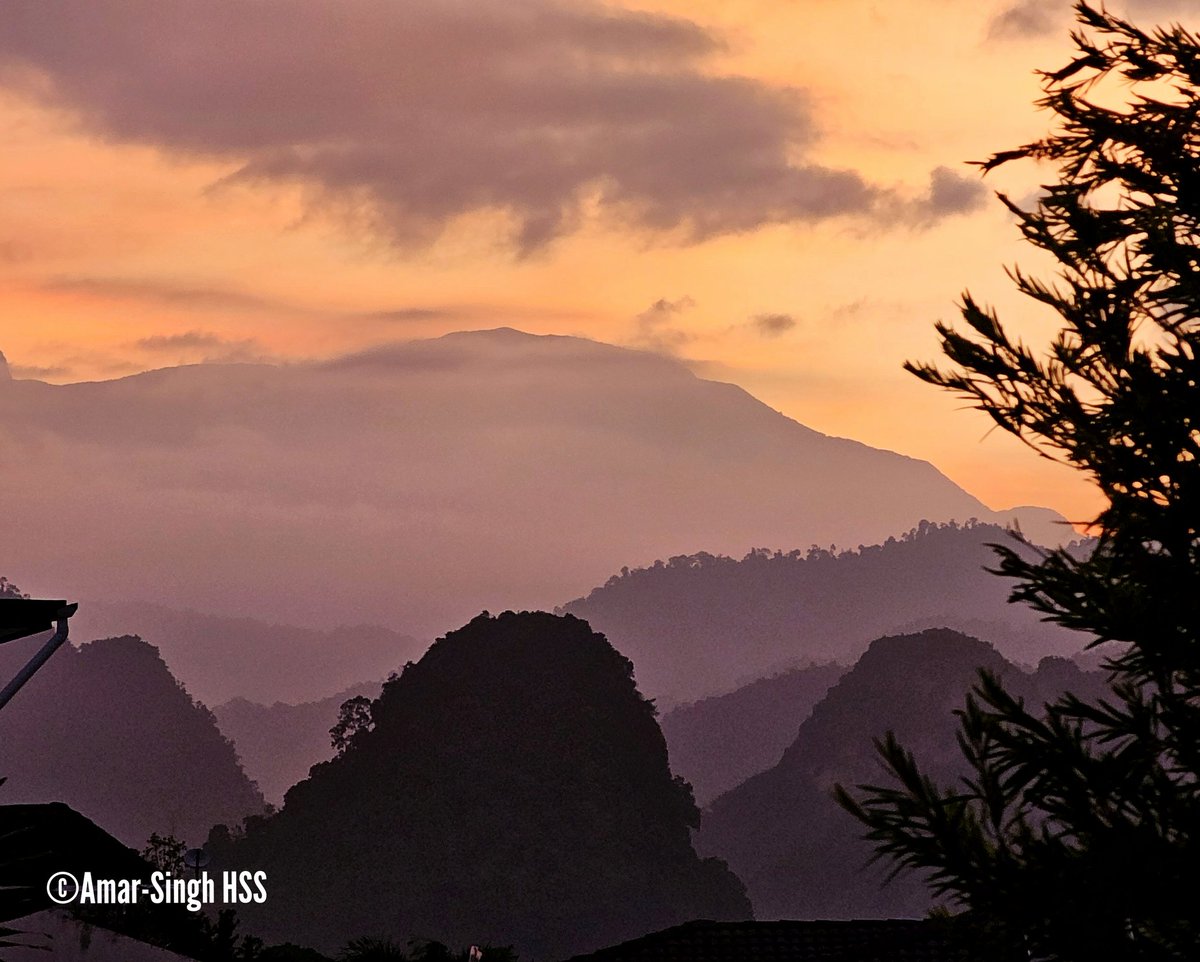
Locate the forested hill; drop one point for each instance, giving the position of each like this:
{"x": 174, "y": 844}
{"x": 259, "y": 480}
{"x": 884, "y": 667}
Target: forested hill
{"x": 799, "y": 854}
{"x": 107, "y": 729}
{"x": 701, "y": 624}
{"x": 511, "y": 787}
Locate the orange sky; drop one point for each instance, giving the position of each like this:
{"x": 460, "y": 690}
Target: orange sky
{"x": 122, "y": 251}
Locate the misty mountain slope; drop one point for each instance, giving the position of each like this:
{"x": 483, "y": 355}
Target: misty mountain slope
{"x": 279, "y": 743}
{"x": 221, "y": 658}
{"x": 799, "y": 854}
{"x": 698, "y": 624}
{"x": 514, "y": 789}
{"x": 108, "y": 730}
{"x": 415, "y": 484}
{"x": 718, "y": 742}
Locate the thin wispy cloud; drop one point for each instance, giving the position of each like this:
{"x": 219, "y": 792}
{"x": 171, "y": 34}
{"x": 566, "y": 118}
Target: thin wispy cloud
{"x": 1028, "y": 18}
{"x": 39, "y": 372}
{"x": 772, "y": 325}
{"x": 188, "y": 341}
{"x": 213, "y": 299}
{"x": 203, "y": 346}
{"x": 167, "y": 293}
{"x": 403, "y": 314}
{"x": 657, "y": 328}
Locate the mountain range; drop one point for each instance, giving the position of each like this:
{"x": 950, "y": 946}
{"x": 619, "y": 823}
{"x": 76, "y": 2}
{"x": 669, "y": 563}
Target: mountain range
{"x": 516, "y": 752}
{"x": 799, "y": 854}
{"x": 413, "y": 485}
{"x": 698, "y": 625}
{"x": 693, "y": 625}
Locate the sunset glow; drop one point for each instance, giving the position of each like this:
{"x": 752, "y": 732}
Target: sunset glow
{"x": 133, "y": 240}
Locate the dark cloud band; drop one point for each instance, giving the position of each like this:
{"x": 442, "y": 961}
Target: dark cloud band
{"x": 408, "y": 115}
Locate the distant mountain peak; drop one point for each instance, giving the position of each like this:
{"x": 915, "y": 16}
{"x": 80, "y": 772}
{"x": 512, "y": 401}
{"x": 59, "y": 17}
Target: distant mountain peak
{"x": 939, "y": 643}
{"x": 1043, "y": 526}
{"x": 502, "y": 333}
{"x": 5, "y": 373}
{"x": 485, "y": 469}
{"x": 523, "y": 343}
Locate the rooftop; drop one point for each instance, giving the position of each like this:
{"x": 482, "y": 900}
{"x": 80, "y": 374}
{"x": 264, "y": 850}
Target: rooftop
{"x": 890, "y": 940}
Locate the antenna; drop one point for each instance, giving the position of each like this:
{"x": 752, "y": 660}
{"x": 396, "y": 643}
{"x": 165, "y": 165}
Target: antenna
{"x": 196, "y": 859}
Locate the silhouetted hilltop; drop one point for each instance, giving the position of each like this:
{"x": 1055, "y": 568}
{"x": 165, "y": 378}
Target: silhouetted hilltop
{"x": 414, "y": 484}
{"x": 721, "y": 741}
{"x": 279, "y": 743}
{"x": 699, "y": 624}
{"x": 799, "y": 854}
{"x": 220, "y": 658}
{"x": 106, "y": 729}
{"x": 514, "y": 789}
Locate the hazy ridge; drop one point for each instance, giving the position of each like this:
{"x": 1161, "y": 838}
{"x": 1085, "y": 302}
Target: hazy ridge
{"x": 414, "y": 485}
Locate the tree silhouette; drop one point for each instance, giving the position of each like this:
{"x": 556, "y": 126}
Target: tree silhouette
{"x": 353, "y": 717}
{"x": 1077, "y": 835}
{"x": 165, "y": 853}
{"x": 369, "y": 949}
{"x": 9, "y": 590}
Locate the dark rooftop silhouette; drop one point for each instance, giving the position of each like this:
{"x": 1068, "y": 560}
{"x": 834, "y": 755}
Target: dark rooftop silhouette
{"x": 890, "y": 940}
{"x": 36, "y": 841}
{"x": 21, "y": 617}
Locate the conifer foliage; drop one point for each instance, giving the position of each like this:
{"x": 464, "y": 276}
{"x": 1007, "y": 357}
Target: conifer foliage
{"x": 1077, "y": 835}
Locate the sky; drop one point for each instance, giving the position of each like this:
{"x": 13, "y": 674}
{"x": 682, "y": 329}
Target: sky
{"x": 775, "y": 191}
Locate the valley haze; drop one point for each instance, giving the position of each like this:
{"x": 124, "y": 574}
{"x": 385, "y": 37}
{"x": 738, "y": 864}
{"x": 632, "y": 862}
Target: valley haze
{"x": 416, "y": 484}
